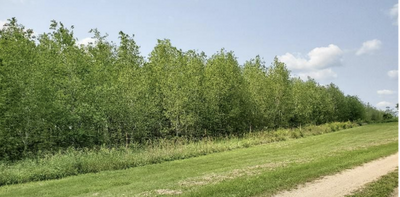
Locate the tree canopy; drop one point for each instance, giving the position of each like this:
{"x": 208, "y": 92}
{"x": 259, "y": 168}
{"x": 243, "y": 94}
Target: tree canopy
{"x": 55, "y": 93}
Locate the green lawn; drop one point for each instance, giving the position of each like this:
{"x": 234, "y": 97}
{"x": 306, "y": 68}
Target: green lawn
{"x": 258, "y": 170}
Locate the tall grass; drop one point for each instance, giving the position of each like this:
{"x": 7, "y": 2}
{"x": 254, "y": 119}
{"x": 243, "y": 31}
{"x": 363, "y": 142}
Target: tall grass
{"x": 73, "y": 162}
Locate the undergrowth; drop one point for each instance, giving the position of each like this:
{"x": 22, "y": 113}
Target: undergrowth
{"x": 73, "y": 162}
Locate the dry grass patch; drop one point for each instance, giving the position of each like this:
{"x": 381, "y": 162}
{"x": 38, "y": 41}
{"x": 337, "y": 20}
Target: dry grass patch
{"x": 159, "y": 192}
{"x": 215, "y": 178}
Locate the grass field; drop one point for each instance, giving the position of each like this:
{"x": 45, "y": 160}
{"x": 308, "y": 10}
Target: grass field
{"x": 258, "y": 170}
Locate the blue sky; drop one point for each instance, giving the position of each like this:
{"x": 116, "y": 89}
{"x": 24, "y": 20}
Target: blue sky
{"x": 353, "y": 44}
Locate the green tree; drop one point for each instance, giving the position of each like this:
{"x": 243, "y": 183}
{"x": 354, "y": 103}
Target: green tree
{"x": 224, "y": 95}
{"x": 339, "y": 103}
{"x": 177, "y": 78}
{"x": 19, "y": 114}
{"x": 356, "y": 110}
{"x": 255, "y": 75}
{"x": 279, "y": 93}
{"x": 55, "y": 94}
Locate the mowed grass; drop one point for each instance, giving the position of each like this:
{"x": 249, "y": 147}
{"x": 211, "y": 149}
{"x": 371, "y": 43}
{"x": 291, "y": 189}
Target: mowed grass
{"x": 258, "y": 170}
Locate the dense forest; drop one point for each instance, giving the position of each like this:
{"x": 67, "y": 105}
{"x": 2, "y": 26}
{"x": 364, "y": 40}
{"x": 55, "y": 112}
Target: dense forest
{"x": 56, "y": 94}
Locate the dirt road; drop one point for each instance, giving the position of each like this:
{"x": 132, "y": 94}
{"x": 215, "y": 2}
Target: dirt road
{"x": 347, "y": 181}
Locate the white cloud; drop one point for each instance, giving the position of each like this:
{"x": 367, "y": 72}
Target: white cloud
{"x": 394, "y": 12}
{"x": 385, "y": 92}
{"x": 370, "y": 46}
{"x": 384, "y": 104}
{"x": 318, "y": 58}
{"x": 393, "y": 73}
{"x": 318, "y": 75}
{"x": 2, "y": 23}
{"x": 86, "y": 41}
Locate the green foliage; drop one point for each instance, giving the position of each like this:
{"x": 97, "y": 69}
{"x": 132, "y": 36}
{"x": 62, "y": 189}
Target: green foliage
{"x": 224, "y": 95}
{"x": 72, "y": 161}
{"x": 55, "y": 94}
{"x": 387, "y": 116}
{"x": 372, "y": 114}
{"x": 355, "y": 108}
{"x": 175, "y": 80}
{"x": 254, "y": 73}
{"x": 279, "y": 94}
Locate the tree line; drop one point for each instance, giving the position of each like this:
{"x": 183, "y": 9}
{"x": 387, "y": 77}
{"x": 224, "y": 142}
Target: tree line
{"x": 55, "y": 93}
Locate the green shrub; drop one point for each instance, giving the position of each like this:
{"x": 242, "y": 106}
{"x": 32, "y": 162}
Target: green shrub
{"x": 73, "y": 161}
